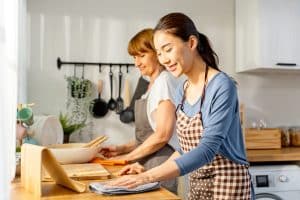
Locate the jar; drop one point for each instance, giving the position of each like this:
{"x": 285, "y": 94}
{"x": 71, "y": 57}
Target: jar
{"x": 285, "y": 137}
{"x": 295, "y": 136}
{"x": 18, "y": 163}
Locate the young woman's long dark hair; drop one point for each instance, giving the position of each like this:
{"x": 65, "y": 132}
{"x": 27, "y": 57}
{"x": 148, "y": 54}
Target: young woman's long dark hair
{"x": 183, "y": 27}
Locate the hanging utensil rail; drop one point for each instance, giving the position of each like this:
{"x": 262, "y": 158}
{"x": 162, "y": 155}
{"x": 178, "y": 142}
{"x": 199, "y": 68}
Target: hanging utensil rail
{"x": 99, "y": 64}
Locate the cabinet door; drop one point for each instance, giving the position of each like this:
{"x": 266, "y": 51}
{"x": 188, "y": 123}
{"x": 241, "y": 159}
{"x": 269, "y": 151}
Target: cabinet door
{"x": 279, "y": 24}
{"x": 267, "y": 32}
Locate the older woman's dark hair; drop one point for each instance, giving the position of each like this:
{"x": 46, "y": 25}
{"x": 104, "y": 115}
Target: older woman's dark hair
{"x": 183, "y": 27}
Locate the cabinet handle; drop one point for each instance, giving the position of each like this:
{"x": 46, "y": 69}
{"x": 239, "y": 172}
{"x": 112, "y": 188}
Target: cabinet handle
{"x": 286, "y": 64}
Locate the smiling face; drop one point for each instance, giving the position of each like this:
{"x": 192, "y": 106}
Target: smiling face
{"x": 146, "y": 62}
{"x": 142, "y": 49}
{"x": 173, "y": 53}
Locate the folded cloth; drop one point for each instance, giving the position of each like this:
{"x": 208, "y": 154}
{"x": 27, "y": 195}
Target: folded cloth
{"x": 101, "y": 188}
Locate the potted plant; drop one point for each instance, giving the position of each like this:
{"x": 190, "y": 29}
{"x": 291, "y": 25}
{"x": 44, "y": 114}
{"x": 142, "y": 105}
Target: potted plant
{"x": 68, "y": 126}
{"x": 78, "y": 101}
{"x": 79, "y": 87}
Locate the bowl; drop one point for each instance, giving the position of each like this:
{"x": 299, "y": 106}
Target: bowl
{"x": 73, "y": 153}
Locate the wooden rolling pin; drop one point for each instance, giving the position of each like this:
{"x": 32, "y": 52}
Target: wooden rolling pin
{"x": 127, "y": 95}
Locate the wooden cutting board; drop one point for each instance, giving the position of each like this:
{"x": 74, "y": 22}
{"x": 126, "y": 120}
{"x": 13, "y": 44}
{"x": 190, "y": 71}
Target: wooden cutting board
{"x": 86, "y": 171}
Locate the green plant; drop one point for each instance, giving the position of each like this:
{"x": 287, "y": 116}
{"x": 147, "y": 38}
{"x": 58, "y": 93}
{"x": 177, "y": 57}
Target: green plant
{"x": 67, "y": 126}
{"x": 18, "y": 149}
{"x": 79, "y": 87}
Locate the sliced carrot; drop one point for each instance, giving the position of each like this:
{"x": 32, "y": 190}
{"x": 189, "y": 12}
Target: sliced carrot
{"x": 109, "y": 162}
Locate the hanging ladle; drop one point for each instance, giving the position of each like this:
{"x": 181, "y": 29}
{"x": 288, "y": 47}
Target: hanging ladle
{"x": 120, "y": 102}
{"x": 112, "y": 104}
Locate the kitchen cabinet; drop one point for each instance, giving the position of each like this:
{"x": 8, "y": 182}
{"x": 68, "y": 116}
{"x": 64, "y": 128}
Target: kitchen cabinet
{"x": 267, "y": 33}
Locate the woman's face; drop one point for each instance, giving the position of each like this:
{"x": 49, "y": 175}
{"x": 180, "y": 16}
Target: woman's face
{"x": 173, "y": 53}
{"x": 146, "y": 62}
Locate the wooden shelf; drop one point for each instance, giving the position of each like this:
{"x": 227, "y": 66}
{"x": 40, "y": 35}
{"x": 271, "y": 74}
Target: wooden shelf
{"x": 270, "y": 155}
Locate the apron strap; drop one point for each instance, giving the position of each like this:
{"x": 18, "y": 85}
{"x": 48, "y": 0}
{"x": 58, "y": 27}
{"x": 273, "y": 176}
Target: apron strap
{"x": 180, "y": 106}
{"x": 186, "y": 85}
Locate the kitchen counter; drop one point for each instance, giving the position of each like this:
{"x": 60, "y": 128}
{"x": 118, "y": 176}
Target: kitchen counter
{"x": 270, "y": 155}
{"x": 52, "y": 191}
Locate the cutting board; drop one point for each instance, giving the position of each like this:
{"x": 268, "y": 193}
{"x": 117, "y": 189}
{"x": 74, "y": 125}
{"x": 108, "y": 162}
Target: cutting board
{"x": 86, "y": 171}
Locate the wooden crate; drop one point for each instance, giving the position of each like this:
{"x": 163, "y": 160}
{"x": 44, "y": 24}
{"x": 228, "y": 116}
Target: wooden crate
{"x": 266, "y": 138}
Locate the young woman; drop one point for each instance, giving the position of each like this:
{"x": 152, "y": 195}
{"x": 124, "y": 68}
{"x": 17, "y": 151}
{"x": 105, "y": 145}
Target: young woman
{"x": 154, "y": 124}
{"x": 208, "y": 122}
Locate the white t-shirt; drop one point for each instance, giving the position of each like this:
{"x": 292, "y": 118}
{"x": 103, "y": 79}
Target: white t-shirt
{"x": 163, "y": 88}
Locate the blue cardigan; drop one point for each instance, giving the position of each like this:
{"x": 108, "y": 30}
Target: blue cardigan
{"x": 222, "y": 130}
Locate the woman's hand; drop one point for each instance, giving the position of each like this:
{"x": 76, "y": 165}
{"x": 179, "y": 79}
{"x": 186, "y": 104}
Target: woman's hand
{"x": 134, "y": 168}
{"x": 110, "y": 151}
{"x": 115, "y": 150}
{"x": 130, "y": 181}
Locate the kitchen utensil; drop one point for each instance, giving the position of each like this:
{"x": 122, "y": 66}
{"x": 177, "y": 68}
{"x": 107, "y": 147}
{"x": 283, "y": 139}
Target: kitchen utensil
{"x": 99, "y": 107}
{"x": 127, "y": 115}
{"x": 120, "y": 102}
{"x": 96, "y": 142}
{"x": 112, "y": 104}
{"x": 73, "y": 153}
{"x": 127, "y": 93}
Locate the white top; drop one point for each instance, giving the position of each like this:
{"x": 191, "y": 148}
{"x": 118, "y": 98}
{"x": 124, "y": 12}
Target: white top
{"x": 163, "y": 88}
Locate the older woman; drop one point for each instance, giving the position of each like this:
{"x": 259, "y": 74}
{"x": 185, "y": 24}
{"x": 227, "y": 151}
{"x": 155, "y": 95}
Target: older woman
{"x": 154, "y": 120}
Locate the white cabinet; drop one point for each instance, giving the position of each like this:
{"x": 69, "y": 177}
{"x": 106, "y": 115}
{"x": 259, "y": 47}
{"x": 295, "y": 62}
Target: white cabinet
{"x": 267, "y": 33}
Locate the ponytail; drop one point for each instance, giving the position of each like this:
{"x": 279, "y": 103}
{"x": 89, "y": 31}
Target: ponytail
{"x": 206, "y": 52}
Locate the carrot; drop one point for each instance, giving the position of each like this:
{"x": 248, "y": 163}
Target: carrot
{"x": 109, "y": 162}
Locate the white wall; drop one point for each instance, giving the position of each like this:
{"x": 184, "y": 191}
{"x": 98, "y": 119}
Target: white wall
{"x": 98, "y": 30}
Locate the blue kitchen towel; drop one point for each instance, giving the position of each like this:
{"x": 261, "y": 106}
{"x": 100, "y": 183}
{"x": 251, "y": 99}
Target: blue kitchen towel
{"x": 101, "y": 188}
